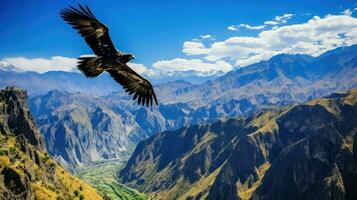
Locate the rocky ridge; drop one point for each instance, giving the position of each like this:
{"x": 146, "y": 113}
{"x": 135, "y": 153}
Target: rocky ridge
{"x": 26, "y": 170}
{"x": 304, "y": 151}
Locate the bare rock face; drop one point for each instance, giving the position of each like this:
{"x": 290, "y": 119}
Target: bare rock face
{"x": 79, "y": 129}
{"x": 17, "y": 118}
{"x": 306, "y": 151}
{"x": 17, "y": 184}
{"x": 24, "y": 146}
{"x": 309, "y": 169}
{"x": 26, "y": 170}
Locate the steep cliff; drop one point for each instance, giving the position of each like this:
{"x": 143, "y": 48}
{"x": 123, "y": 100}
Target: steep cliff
{"x": 304, "y": 151}
{"x": 79, "y": 129}
{"x": 26, "y": 170}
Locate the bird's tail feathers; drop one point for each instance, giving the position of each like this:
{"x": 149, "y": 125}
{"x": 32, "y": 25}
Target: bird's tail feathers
{"x": 91, "y": 66}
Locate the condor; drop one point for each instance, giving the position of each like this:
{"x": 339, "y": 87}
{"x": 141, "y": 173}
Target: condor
{"x": 107, "y": 57}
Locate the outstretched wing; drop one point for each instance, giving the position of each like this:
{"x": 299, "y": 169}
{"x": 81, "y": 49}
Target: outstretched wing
{"x": 134, "y": 84}
{"x": 93, "y": 31}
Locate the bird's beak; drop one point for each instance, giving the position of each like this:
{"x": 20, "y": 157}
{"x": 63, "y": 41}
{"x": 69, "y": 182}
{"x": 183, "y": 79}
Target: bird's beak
{"x": 133, "y": 57}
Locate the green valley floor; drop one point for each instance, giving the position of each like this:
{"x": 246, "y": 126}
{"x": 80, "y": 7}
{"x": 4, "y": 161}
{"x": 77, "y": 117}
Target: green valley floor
{"x": 102, "y": 176}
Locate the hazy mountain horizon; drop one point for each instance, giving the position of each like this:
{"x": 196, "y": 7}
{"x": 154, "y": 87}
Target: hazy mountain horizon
{"x": 283, "y": 80}
{"x": 104, "y": 85}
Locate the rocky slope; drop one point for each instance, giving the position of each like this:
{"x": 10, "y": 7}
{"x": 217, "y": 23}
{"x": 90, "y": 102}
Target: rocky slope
{"x": 282, "y": 79}
{"x": 26, "y": 170}
{"x": 87, "y": 122}
{"x": 79, "y": 129}
{"x": 305, "y": 151}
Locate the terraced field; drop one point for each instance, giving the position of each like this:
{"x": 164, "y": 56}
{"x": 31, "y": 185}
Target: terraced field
{"x": 102, "y": 176}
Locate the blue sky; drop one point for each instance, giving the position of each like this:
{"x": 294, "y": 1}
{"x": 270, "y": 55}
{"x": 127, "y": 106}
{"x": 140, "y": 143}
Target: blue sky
{"x": 158, "y": 32}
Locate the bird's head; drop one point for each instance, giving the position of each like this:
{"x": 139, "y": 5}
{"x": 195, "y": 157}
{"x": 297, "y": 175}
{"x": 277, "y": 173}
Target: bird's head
{"x": 130, "y": 56}
{"x": 126, "y": 58}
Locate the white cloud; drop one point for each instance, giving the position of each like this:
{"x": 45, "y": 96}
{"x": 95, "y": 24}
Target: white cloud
{"x": 283, "y": 19}
{"x": 271, "y": 23}
{"x": 205, "y": 37}
{"x": 197, "y": 65}
{"x": 277, "y": 20}
{"x": 59, "y": 63}
{"x": 143, "y": 70}
{"x": 193, "y": 48}
{"x": 139, "y": 68}
{"x": 314, "y": 37}
{"x": 4, "y": 64}
{"x": 347, "y": 12}
{"x": 41, "y": 65}
{"x": 56, "y": 63}
{"x": 232, "y": 28}
{"x": 247, "y": 26}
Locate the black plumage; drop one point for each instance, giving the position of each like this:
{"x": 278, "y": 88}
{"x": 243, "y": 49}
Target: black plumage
{"x": 107, "y": 58}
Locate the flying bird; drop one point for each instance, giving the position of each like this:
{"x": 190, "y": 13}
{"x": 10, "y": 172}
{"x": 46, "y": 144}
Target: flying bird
{"x": 107, "y": 57}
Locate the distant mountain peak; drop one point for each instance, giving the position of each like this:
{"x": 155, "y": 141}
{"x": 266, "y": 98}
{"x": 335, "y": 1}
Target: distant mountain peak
{"x": 290, "y": 57}
{"x": 7, "y": 67}
{"x": 339, "y": 50}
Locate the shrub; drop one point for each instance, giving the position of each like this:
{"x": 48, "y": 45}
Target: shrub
{"x": 52, "y": 164}
{"x": 13, "y": 150}
{"x": 45, "y": 157}
{"x": 4, "y": 161}
{"x": 2, "y": 152}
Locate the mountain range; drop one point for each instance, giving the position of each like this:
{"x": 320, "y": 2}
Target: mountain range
{"x": 37, "y": 83}
{"x": 109, "y": 126}
{"x": 88, "y": 123}
{"x": 304, "y": 151}
{"x": 41, "y": 83}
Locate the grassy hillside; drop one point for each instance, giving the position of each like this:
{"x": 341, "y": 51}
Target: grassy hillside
{"x": 102, "y": 176}
{"x": 33, "y": 173}
{"x": 303, "y": 151}
{"x": 26, "y": 170}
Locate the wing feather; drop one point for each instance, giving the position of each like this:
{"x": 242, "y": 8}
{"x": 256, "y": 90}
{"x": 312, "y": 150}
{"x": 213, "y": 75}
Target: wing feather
{"x": 91, "y": 29}
{"x": 133, "y": 83}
